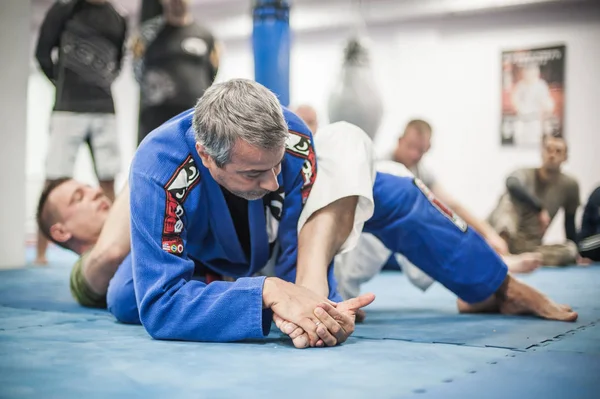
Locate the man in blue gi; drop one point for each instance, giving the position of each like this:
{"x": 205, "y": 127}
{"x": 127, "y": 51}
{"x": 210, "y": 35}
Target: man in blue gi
{"x": 238, "y": 157}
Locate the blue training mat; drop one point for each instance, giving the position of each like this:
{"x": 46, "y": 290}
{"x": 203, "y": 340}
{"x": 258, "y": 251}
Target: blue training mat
{"x": 548, "y": 375}
{"x": 403, "y": 312}
{"x": 102, "y": 359}
{"x": 413, "y": 344}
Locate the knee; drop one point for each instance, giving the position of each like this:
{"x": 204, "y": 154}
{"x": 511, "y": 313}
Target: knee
{"x": 121, "y": 302}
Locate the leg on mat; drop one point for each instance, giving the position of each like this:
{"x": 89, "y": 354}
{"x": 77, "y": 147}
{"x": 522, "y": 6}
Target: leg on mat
{"x": 559, "y": 254}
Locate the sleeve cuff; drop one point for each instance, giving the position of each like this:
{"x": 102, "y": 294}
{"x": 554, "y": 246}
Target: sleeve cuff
{"x": 267, "y": 320}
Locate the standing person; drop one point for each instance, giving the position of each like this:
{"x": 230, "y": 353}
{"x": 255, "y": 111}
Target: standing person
{"x": 175, "y": 61}
{"x": 89, "y": 36}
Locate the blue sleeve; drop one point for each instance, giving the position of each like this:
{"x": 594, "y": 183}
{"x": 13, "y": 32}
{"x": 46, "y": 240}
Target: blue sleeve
{"x": 409, "y": 220}
{"x": 171, "y": 305}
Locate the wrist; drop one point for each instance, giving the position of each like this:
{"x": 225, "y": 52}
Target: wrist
{"x": 318, "y": 285}
{"x": 269, "y": 292}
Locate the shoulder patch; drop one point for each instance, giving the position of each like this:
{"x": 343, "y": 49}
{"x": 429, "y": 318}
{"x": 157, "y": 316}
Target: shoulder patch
{"x": 186, "y": 176}
{"x": 444, "y": 210}
{"x": 301, "y": 146}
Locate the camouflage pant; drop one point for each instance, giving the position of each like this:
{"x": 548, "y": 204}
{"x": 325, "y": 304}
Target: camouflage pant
{"x": 505, "y": 220}
{"x": 81, "y": 290}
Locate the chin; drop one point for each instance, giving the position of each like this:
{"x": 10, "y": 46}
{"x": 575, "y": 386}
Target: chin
{"x": 251, "y": 196}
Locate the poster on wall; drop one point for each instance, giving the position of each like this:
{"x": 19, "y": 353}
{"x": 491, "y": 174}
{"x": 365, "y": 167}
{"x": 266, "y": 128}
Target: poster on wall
{"x": 533, "y": 88}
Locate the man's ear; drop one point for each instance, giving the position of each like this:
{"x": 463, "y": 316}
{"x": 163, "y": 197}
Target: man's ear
{"x": 59, "y": 233}
{"x": 207, "y": 161}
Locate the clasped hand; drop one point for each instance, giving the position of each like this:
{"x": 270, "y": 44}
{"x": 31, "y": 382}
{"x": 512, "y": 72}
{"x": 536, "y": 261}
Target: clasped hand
{"x": 310, "y": 319}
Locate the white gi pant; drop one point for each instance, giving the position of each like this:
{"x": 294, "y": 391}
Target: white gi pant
{"x": 346, "y": 166}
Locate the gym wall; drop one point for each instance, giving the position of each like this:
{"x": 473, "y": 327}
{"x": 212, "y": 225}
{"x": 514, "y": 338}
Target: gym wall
{"x": 445, "y": 71}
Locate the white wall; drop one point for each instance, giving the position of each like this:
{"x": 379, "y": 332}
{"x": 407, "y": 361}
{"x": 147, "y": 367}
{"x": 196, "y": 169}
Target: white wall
{"x": 14, "y": 43}
{"x": 446, "y": 71}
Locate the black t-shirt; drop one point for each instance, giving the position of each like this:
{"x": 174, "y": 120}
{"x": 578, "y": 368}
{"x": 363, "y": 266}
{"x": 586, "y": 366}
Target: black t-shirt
{"x": 238, "y": 209}
{"x": 176, "y": 64}
{"x": 90, "y": 39}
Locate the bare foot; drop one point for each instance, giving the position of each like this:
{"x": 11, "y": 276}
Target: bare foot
{"x": 40, "y": 261}
{"x": 581, "y": 261}
{"x": 523, "y": 263}
{"x": 360, "y": 316}
{"x": 517, "y": 298}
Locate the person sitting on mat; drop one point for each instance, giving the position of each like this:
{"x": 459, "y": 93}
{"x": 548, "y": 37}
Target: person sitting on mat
{"x": 533, "y": 198}
{"x": 589, "y": 235}
{"x": 179, "y": 187}
{"x": 414, "y": 143}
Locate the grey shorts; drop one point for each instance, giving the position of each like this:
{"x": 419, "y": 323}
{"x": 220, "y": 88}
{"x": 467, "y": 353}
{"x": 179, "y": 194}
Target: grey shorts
{"x": 69, "y": 130}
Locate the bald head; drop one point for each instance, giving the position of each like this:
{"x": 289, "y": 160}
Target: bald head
{"x": 309, "y": 116}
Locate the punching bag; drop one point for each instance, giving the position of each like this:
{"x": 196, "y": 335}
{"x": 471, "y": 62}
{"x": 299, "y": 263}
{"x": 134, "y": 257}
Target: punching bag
{"x": 355, "y": 98}
{"x": 271, "y": 44}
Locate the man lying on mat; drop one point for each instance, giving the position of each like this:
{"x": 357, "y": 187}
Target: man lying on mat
{"x": 181, "y": 222}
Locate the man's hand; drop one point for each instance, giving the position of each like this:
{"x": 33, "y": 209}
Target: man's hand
{"x": 296, "y": 304}
{"x": 335, "y": 322}
{"x": 544, "y": 220}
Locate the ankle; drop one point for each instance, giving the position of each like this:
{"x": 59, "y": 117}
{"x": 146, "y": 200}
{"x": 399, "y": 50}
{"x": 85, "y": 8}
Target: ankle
{"x": 501, "y": 292}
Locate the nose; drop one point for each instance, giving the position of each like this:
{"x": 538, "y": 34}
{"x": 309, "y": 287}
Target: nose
{"x": 96, "y": 192}
{"x": 269, "y": 182}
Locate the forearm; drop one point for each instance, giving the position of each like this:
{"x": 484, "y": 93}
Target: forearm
{"x": 49, "y": 36}
{"x": 193, "y": 311}
{"x": 518, "y": 191}
{"x": 113, "y": 245}
{"x": 570, "y": 231}
{"x": 319, "y": 241}
{"x": 47, "y": 67}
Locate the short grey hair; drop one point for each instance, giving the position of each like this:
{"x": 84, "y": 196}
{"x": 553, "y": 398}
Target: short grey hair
{"x": 238, "y": 109}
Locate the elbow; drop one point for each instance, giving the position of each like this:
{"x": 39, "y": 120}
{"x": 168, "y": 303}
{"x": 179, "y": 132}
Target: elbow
{"x": 510, "y": 183}
{"x": 116, "y": 254}
{"x": 150, "y": 322}
{"x": 155, "y": 319}
{"x": 122, "y": 304}
{"x": 154, "y": 330}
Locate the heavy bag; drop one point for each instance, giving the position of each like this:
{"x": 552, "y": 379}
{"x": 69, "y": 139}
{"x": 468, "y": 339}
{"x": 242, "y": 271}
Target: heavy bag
{"x": 355, "y": 97}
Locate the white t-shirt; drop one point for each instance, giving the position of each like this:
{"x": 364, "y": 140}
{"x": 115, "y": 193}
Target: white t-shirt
{"x": 420, "y": 171}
